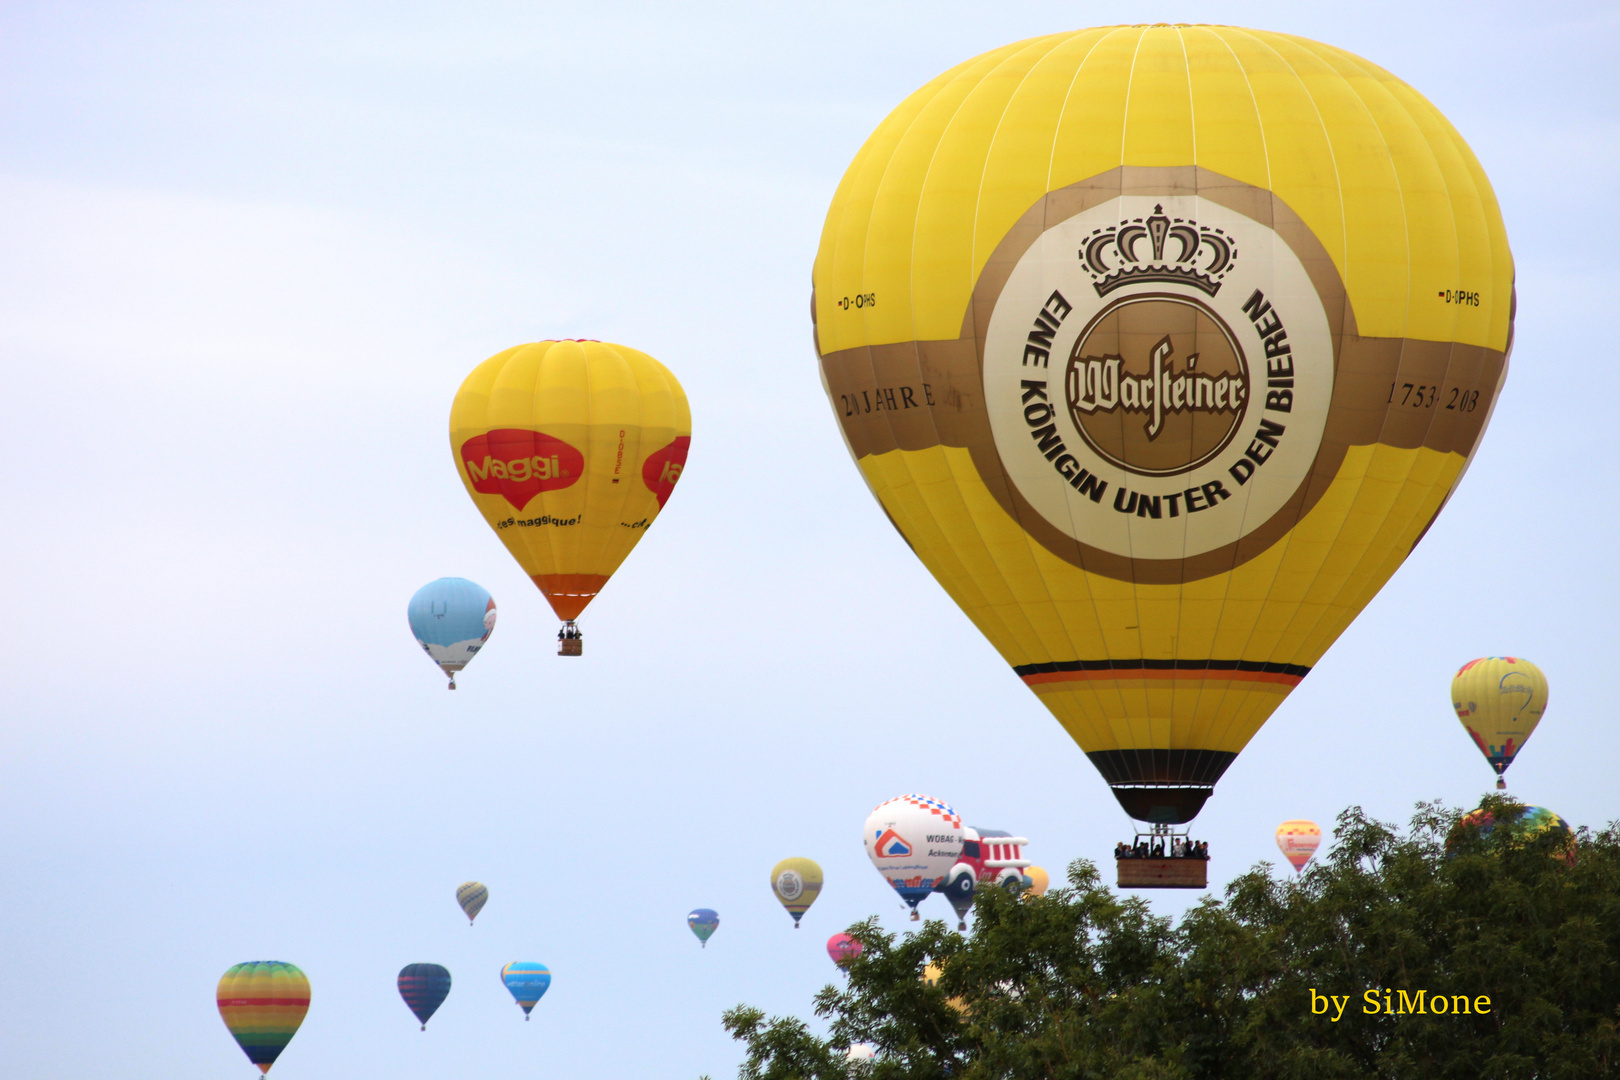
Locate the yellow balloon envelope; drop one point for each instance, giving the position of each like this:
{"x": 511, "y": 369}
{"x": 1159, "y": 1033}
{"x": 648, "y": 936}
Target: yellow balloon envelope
{"x": 1298, "y": 841}
{"x": 1499, "y": 700}
{"x": 570, "y": 450}
{"x": 1162, "y": 346}
{"x": 1039, "y": 880}
{"x": 796, "y": 883}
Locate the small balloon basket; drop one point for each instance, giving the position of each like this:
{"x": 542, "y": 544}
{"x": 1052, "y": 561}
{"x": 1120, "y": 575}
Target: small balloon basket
{"x": 1162, "y": 859}
{"x": 570, "y": 642}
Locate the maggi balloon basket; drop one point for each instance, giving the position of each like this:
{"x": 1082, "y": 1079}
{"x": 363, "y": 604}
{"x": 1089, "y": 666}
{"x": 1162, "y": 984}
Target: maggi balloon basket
{"x": 571, "y": 647}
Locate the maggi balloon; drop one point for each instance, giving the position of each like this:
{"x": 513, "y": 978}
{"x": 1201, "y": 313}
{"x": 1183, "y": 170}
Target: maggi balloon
{"x": 263, "y": 1003}
{"x": 796, "y": 883}
{"x": 1499, "y": 700}
{"x": 1298, "y": 841}
{"x": 570, "y": 449}
{"x": 1162, "y": 346}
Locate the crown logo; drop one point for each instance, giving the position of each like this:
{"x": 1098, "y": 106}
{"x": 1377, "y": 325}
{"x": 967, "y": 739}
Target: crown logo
{"x": 1114, "y": 258}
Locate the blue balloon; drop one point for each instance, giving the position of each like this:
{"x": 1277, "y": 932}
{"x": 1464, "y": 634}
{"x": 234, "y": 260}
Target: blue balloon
{"x": 424, "y": 988}
{"x": 703, "y": 922}
{"x": 527, "y": 981}
{"x": 451, "y": 618}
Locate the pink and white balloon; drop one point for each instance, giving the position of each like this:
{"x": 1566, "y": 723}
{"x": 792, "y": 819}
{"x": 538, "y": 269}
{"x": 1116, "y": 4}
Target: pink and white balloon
{"x": 1299, "y": 841}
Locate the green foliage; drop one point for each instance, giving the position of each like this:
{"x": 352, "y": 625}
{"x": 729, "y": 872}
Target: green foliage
{"x": 1082, "y": 983}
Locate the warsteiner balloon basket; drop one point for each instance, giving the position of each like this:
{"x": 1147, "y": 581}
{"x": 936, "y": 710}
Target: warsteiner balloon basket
{"x": 1151, "y": 863}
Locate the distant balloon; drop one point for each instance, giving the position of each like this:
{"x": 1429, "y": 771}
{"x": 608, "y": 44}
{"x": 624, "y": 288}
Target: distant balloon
{"x": 1533, "y": 823}
{"x": 570, "y": 449}
{"x": 843, "y": 948}
{"x": 527, "y": 982}
{"x": 913, "y": 840}
{"x": 860, "y": 1052}
{"x": 263, "y": 1004}
{"x": 472, "y": 897}
{"x": 797, "y": 883}
{"x": 451, "y": 618}
{"x": 931, "y": 976}
{"x": 1298, "y": 841}
{"x": 703, "y": 922}
{"x": 1499, "y": 700}
{"x": 424, "y": 988}
{"x": 1036, "y": 881}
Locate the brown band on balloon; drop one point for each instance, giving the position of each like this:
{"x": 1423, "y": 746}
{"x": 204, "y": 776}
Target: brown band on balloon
{"x": 920, "y": 394}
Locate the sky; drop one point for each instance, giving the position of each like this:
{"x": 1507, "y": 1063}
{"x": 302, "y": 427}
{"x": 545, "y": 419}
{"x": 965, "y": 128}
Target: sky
{"x": 247, "y": 254}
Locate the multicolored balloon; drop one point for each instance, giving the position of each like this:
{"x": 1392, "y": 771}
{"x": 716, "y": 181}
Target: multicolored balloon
{"x": 843, "y": 948}
{"x": 1500, "y": 700}
{"x": 1104, "y": 316}
{"x": 1532, "y": 823}
{"x": 263, "y": 1003}
{"x": 797, "y": 883}
{"x": 1298, "y": 841}
{"x": 913, "y": 840}
{"x": 1036, "y": 881}
{"x": 527, "y": 981}
{"x": 472, "y": 896}
{"x": 424, "y": 988}
{"x": 703, "y": 922}
{"x": 569, "y": 450}
{"x": 452, "y": 618}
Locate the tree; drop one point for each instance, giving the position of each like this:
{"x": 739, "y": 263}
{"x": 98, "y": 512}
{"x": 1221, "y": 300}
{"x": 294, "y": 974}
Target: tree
{"x": 1508, "y": 956}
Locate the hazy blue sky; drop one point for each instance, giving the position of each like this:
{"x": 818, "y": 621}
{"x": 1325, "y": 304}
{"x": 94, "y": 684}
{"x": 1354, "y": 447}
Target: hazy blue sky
{"x": 247, "y": 253}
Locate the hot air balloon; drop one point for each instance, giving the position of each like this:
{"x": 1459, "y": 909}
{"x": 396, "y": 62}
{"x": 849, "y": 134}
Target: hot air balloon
{"x": 703, "y": 922}
{"x": 797, "y": 883}
{"x": 843, "y": 948}
{"x": 1531, "y": 824}
{"x": 263, "y": 1003}
{"x": 1106, "y": 317}
{"x": 424, "y": 988}
{"x": 913, "y": 840}
{"x": 570, "y": 450}
{"x": 527, "y": 982}
{"x": 1298, "y": 841}
{"x": 451, "y": 618}
{"x": 472, "y": 896}
{"x": 1036, "y": 881}
{"x": 1499, "y": 700}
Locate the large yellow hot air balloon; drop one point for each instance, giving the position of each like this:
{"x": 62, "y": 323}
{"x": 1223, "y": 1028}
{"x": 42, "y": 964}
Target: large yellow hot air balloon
{"x": 570, "y": 450}
{"x": 1499, "y": 700}
{"x": 1162, "y": 346}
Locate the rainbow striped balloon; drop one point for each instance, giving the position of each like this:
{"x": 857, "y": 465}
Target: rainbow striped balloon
{"x": 263, "y": 1003}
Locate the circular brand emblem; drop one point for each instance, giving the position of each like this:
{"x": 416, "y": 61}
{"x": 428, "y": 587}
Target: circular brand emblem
{"x": 1156, "y": 384}
{"x": 789, "y": 884}
{"x": 1158, "y": 371}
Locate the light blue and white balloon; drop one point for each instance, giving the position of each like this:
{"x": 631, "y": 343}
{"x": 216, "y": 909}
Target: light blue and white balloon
{"x": 451, "y": 618}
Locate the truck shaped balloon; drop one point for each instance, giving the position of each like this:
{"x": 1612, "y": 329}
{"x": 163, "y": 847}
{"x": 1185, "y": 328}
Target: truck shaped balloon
{"x": 989, "y": 857}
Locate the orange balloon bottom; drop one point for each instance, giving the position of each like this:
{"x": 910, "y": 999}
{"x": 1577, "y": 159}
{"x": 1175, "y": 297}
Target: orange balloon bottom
{"x": 569, "y": 593}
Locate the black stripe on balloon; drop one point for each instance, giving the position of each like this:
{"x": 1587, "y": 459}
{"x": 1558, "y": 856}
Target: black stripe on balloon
{"x": 1295, "y": 670}
{"x": 1161, "y": 766}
